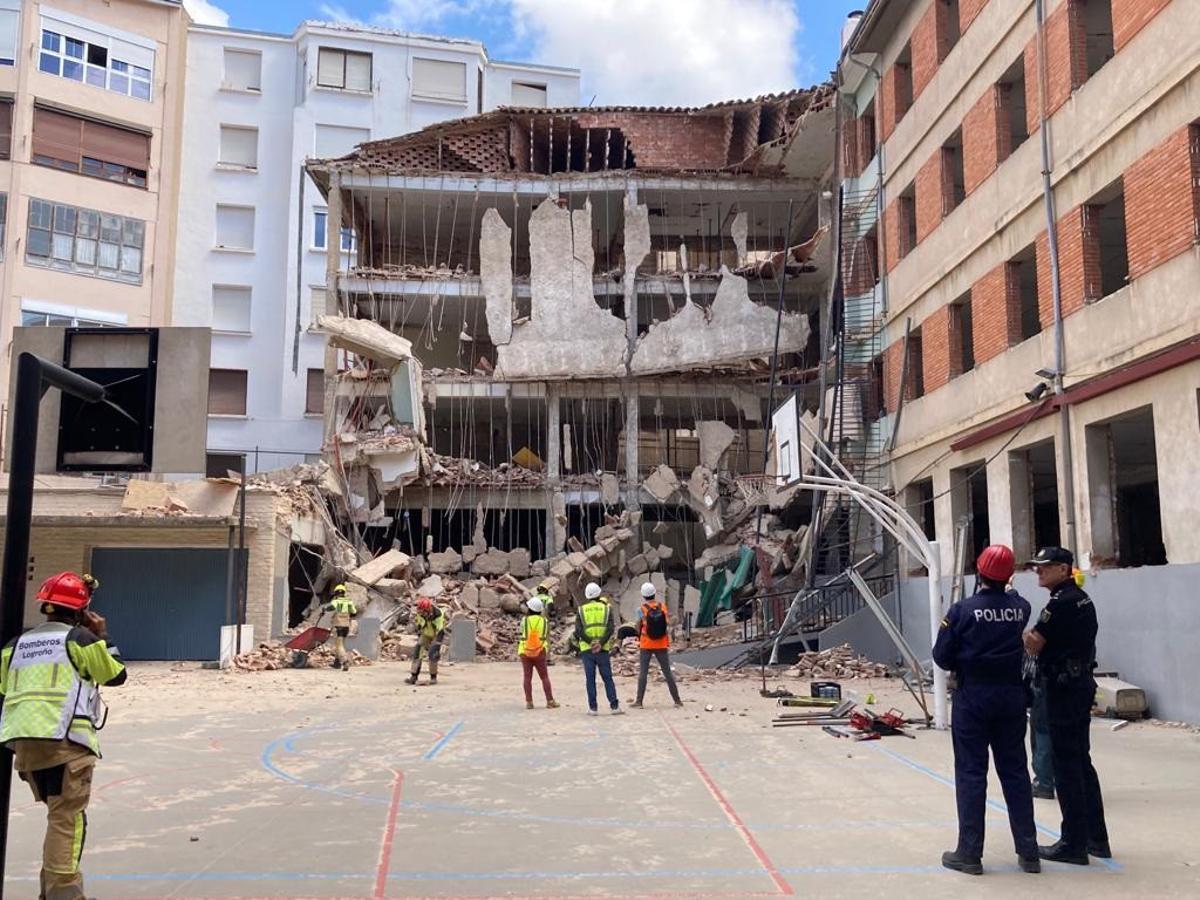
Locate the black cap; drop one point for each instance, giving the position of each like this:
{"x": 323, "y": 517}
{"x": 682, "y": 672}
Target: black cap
{"x": 1050, "y": 555}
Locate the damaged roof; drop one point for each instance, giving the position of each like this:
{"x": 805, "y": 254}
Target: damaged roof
{"x": 738, "y": 136}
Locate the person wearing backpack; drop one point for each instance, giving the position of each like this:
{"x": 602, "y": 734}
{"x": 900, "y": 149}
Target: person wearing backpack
{"x": 535, "y": 638}
{"x": 654, "y": 638}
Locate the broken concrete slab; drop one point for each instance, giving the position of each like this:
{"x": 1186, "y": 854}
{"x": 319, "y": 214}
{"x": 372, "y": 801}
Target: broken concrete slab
{"x": 470, "y": 596}
{"x": 662, "y": 483}
{"x": 691, "y": 601}
{"x": 462, "y": 639}
{"x": 715, "y": 438}
{"x": 610, "y": 489}
{"x": 381, "y": 566}
{"x": 489, "y": 598}
{"x": 637, "y": 565}
{"x": 365, "y": 338}
{"x": 431, "y": 587}
{"x": 739, "y": 230}
{"x": 447, "y": 563}
{"x": 518, "y": 563}
{"x": 496, "y": 275}
{"x": 494, "y": 562}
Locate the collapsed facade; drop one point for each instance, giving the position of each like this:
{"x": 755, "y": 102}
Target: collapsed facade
{"x": 559, "y": 317}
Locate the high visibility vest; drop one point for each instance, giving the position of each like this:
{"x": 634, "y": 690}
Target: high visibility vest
{"x": 595, "y": 623}
{"x": 432, "y": 626}
{"x": 644, "y": 640}
{"x": 343, "y": 609}
{"x": 534, "y": 624}
{"x": 45, "y": 697}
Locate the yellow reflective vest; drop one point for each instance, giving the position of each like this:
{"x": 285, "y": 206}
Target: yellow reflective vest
{"x": 595, "y": 624}
{"x": 432, "y": 626}
{"x": 343, "y": 609}
{"x": 50, "y": 679}
{"x": 534, "y": 624}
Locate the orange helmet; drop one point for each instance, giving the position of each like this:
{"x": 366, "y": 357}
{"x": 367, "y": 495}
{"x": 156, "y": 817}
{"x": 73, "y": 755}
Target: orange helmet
{"x": 424, "y": 606}
{"x": 66, "y": 589}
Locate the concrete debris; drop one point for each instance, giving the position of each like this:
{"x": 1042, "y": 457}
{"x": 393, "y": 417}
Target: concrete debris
{"x": 838, "y": 662}
{"x": 269, "y": 657}
{"x": 447, "y": 563}
{"x": 662, "y": 483}
{"x": 715, "y": 439}
{"x": 450, "y": 471}
{"x": 366, "y": 338}
{"x": 431, "y": 588}
{"x": 388, "y": 564}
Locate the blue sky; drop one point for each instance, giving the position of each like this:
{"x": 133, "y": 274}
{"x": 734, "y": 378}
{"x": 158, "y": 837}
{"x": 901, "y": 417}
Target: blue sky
{"x": 630, "y": 51}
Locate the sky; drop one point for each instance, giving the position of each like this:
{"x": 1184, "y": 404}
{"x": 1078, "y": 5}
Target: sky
{"x": 652, "y": 52}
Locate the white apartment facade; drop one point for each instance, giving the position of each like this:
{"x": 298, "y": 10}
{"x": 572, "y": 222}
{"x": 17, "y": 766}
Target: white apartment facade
{"x": 251, "y": 259}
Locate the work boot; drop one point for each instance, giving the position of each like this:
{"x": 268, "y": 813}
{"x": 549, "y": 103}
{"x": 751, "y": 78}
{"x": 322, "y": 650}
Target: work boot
{"x": 1030, "y": 864}
{"x": 529, "y": 704}
{"x": 336, "y": 664}
{"x": 679, "y": 704}
{"x": 968, "y": 865}
{"x": 411, "y": 679}
{"x": 551, "y": 704}
{"x": 1041, "y": 792}
{"x": 1099, "y": 849}
{"x": 433, "y": 679}
{"x": 1060, "y": 852}
{"x": 636, "y": 704}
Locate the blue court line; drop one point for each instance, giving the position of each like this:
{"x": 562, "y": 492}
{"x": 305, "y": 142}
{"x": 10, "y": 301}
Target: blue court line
{"x": 437, "y": 748}
{"x": 1111, "y": 865}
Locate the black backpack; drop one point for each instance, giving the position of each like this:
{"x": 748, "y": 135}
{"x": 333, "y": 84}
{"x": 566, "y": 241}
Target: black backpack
{"x": 656, "y": 622}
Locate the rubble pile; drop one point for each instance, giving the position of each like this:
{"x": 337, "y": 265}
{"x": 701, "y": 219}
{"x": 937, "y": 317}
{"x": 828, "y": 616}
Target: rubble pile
{"x": 448, "y": 471}
{"x": 838, "y": 662}
{"x": 268, "y": 657}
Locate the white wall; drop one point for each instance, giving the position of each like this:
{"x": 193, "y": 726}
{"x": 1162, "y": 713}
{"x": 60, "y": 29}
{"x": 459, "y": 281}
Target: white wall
{"x": 287, "y": 112}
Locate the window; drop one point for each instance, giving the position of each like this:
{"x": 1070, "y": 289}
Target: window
{"x": 239, "y": 147}
{"x": 1104, "y": 227}
{"x": 331, "y": 141}
{"x": 947, "y": 26}
{"x": 916, "y": 366}
{"x": 903, "y": 80}
{"x": 243, "y": 70}
{"x": 75, "y": 144}
{"x": 10, "y": 30}
{"x": 316, "y": 304}
{"x": 962, "y": 338}
{"x": 235, "y": 227}
{"x": 437, "y": 79}
{"x": 1099, "y": 24}
{"x": 907, "y": 211}
{"x": 528, "y": 94}
{"x": 321, "y": 229}
{"x": 1033, "y": 490}
{"x": 6, "y": 109}
{"x": 85, "y": 54}
{"x": 954, "y": 189}
{"x": 866, "y": 134}
{"x": 343, "y": 69}
{"x": 227, "y": 392}
{"x": 922, "y": 494}
{"x": 969, "y": 500}
{"x": 1024, "y": 280}
{"x": 231, "y": 308}
{"x": 1122, "y": 464}
{"x": 84, "y": 241}
{"x": 222, "y": 465}
{"x": 37, "y": 313}
{"x": 1012, "y": 96}
{"x": 314, "y": 396}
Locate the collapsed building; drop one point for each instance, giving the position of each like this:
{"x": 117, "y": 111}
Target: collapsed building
{"x": 550, "y": 351}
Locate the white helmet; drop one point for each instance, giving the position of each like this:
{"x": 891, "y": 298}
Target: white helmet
{"x": 535, "y": 605}
{"x": 648, "y": 591}
{"x": 592, "y": 591}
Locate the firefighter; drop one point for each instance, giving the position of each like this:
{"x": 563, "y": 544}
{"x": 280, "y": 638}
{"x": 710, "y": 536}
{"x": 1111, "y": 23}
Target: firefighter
{"x": 50, "y": 678}
{"x": 344, "y": 612}
{"x": 430, "y": 623}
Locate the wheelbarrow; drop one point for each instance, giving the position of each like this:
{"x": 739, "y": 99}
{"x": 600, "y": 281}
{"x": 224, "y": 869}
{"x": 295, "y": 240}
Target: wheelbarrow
{"x": 305, "y": 642}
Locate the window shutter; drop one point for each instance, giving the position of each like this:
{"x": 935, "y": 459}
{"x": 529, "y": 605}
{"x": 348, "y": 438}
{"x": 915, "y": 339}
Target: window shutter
{"x": 231, "y": 308}
{"x": 358, "y": 71}
{"x": 331, "y": 68}
{"x": 116, "y": 145}
{"x": 235, "y": 227}
{"x": 227, "y": 392}
{"x": 314, "y": 399}
{"x": 9, "y": 23}
{"x": 528, "y": 95}
{"x": 57, "y": 136}
{"x": 239, "y": 146}
{"x": 439, "y": 79}
{"x": 6, "y": 109}
{"x": 316, "y": 304}
{"x": 243, "y": 70}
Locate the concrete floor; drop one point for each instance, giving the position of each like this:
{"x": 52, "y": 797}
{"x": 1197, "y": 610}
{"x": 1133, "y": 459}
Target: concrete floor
{"x": 329, "y": 784}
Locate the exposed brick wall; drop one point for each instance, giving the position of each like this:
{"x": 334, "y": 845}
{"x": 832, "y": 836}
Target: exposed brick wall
{"x": 931, "y": 42}
{"x": 955, "y": 334}
{"x": 996, "y": 312}
{"x": 935, "y": 347}
{"x": 986, "y": 138}
{"x": 891, "y": 235}
{"x": 933, "y": 187}
{"x": 1130, "y": 16}
{"x": 893, "y": 360}
{"x": 668, "y": 140}
{"x": 967, "y": 11}
{"x": 1066, "y": 49}
{"x": 1078, "y": 264}
{"x": 894, "y": 89}
{"x": 858, "y": 145}
{"x": 860, "y": 261}
{"x": 1161, "y": 201}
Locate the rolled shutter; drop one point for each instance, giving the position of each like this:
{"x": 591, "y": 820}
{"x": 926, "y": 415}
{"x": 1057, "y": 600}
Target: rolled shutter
{"x": 57, "y": 136}
{"x": 116, "y": 145}
{"x": 6, "y": 109}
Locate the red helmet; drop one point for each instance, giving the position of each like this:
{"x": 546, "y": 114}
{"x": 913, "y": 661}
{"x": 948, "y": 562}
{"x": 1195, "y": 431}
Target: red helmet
{"x": 424, "y": 605}
{"x": 995, "y": 563}
{"x": 65, "y": 589}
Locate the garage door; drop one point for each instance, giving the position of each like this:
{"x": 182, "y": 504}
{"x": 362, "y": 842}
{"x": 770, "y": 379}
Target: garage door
{"x": 162, "y": 603}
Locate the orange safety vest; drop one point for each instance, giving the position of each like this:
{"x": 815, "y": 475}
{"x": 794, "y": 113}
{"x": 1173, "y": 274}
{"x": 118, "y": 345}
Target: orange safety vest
{"x": 646, "y": 642}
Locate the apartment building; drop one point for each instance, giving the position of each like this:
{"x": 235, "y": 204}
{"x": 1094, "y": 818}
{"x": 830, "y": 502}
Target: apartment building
{"x": 963, "y": 261}
{"x": 253, "y": 232}
{"x": 91, "y": 101}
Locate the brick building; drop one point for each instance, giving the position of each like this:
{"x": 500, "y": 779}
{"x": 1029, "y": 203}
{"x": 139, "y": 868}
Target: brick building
{"x": 964, "y": 293}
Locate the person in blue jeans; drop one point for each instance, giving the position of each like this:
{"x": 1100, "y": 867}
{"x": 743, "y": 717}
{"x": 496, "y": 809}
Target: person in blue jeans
{"x": 1039, "y": 744}
{"x": 595, "y": 630}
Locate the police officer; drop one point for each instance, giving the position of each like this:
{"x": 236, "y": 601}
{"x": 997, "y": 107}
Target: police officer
{"x": 1064, "y": 642}
{"x": 980, "y": 641}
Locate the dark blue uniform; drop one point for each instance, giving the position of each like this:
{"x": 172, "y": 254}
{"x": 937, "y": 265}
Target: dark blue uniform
{"x": 1068, "y": 623}
{"x": 980, "y": 641}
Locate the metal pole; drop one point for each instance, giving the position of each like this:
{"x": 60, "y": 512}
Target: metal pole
{"x": 34, "y": 375}
{"x": 1064, "y": 413}
{"x": 241, "y": 561}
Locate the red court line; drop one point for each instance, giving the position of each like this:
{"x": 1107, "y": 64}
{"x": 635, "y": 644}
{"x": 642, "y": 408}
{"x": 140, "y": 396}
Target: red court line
{"x": 734, "y": 818}
{"x": 389, "y": 835}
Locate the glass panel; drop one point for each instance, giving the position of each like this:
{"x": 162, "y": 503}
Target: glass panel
{"x": 49, "y": 63}
{"x": 32, "y": 318}
{"x": 131, "y": 260}
{"x": 72, "y": 70}
{"x": 141, "y": 90}
{"x": 119, "y": 66}
{"x": 119, "y": 83}
{"x": 110, "y": 228}
{"x": 85, "y": 251}
{"x": 139, "y": 72}
{"x": 135, "y": 232}
{"x": 347, "y": 239}
{"x": 108, "y": 255}
{"x": 137, "y": 177}
{"x": 40, "y": 213}
{"x": 319, "y": 229}
{"x": 38, "y": 243}
{"x": 64, "y": 219}
{"x": 51, "y": 41}
{"x": 65, "y": 321}
{"x": 96, "y": 77}
{"x": 62, "y": 247}
{"x": 89, "y": 223}
{"x": 97, "y": 55}
{"x": 74, "y": 48}
{"x": 93, "y": 167}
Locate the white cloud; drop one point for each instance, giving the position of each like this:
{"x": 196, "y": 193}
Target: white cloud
{"x": 206, "y": 13}
{"x": 665, "y": 52}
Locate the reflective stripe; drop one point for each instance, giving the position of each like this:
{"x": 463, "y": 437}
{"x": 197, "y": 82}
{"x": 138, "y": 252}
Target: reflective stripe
{"x": 595, "y": 622}
{"x": 54, "y": 702}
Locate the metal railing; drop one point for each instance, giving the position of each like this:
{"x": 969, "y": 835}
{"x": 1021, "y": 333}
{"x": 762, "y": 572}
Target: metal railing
{"x": 827, "y": 605}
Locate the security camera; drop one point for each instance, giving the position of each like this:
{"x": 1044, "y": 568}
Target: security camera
{"x": 1037, "y": 391}
{"x": 1048, "y": 374}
